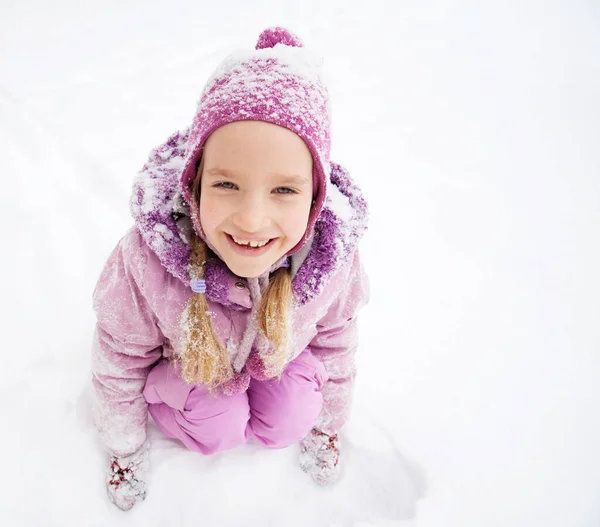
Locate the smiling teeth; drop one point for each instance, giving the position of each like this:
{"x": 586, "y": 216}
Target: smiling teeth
{"x": 239, "y": 241}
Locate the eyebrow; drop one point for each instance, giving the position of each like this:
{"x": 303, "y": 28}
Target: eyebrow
{"x": 221, "y": 172}
{"x": 295, "y": 179}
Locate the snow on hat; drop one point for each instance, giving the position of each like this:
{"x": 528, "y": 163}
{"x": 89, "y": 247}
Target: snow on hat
{"x": 280, "y": 83}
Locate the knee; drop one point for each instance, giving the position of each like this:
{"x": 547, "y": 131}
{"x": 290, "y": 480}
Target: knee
{"x": 201, "y": 421}
{"x": 206, "y": 426}
{"x": 289, "y": 413}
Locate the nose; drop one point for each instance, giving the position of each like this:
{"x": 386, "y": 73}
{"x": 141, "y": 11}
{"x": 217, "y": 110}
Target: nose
{"x": 252, "y": 213}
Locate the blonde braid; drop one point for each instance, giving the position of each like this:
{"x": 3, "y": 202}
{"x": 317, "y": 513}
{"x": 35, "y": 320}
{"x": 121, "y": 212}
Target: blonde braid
{"x": 274, "y": 319}
{"x": 204, "y": 359}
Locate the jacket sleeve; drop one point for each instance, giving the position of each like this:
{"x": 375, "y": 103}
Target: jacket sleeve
{"x": 335, "y": 345}
{"x": 127, "y": 343}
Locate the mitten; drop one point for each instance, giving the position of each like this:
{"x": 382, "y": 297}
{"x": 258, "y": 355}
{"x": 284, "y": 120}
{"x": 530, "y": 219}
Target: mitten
{"x": 126, "y": 479}
{"x": 320, "y": 456}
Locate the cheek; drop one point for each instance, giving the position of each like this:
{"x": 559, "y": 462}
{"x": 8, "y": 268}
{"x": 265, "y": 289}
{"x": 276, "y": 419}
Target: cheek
{"x": 210, "y": 214}
{"x": 296, "y": 220}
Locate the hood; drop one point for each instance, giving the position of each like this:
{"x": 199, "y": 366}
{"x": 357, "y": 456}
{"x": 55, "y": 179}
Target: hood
{"x": 163, "y": 219}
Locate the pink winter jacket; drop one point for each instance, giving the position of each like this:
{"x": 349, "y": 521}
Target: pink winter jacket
{"x": 144, "y": 288}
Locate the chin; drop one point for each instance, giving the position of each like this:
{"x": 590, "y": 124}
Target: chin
{"x": 247, "y": 269}
{"x": 245, "y": 272}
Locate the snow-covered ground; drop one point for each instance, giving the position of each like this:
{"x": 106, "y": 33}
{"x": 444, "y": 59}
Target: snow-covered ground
{"x": 474, "y": 128}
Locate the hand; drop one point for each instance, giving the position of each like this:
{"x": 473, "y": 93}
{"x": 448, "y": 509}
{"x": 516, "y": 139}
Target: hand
{"x": 320, "y": 456}
{"x": 126, "y": 479}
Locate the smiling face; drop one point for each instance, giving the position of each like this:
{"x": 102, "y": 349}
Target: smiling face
{"x": 255, "y": 194}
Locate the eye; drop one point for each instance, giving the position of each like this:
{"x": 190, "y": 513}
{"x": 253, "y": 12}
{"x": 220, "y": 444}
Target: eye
{"x": 285, "y": 190}
{"x": 224, "y": 184}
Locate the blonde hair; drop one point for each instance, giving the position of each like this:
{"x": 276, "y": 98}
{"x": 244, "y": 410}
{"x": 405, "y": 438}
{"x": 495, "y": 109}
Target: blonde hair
{"x": 204, "y": 359}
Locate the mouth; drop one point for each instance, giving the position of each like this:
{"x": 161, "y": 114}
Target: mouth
{"x": 249, "y": 247}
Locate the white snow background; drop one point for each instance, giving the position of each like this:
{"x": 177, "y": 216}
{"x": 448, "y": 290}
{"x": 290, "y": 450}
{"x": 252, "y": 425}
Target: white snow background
{"x": 474, "y": 129}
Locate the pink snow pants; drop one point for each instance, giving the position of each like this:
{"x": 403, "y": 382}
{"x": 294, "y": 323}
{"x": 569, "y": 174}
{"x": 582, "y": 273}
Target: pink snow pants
{"x": 275, "y": 413}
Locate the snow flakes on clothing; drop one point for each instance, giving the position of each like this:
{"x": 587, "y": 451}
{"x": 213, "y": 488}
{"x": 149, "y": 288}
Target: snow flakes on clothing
{"x": 155, "y": 206}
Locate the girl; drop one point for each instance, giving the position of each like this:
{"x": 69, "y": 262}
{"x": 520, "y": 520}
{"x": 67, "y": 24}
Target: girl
{"x": 229, "y": 310}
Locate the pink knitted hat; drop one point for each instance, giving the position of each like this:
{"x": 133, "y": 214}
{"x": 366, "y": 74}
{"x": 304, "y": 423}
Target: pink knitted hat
{"x": 280, "y": 83}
